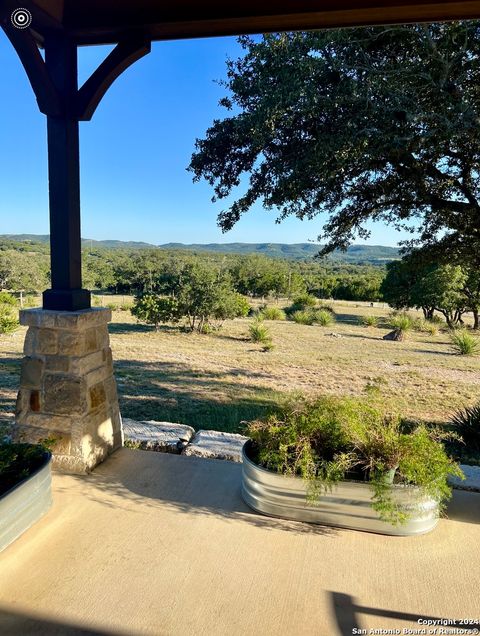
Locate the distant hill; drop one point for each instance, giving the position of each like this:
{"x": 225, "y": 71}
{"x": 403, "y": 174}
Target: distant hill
{"x": 359, "y": 254}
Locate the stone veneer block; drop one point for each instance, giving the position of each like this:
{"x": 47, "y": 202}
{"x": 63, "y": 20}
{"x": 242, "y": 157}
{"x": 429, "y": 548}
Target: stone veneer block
{"x": 216, "y": 445}
{"x": 67, "y": 388}
{"x": 163, "y": 437}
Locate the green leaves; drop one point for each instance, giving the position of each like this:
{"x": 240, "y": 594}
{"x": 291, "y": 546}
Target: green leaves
{"x": 372, "y": 123}
{"x": 199, "y": 293}
{"x": 325, "y": 439}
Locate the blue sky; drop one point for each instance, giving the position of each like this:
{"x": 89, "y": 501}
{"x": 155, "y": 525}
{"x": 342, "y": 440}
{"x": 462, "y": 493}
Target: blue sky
{"x": 134, "y": 153}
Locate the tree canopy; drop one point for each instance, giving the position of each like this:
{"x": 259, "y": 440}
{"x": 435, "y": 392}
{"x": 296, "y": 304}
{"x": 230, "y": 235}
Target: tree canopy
{"x": 359, "y": 124}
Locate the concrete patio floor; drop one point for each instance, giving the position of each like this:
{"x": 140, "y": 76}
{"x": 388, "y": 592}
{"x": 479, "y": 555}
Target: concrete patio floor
{"x": 162, "y": 544}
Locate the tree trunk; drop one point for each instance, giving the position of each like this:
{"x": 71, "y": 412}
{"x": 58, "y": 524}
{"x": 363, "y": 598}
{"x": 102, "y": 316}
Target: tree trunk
{"x": 476, "y": 321}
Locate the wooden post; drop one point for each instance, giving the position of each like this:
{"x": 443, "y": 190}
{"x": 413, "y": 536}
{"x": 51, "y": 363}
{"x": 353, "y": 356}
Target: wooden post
{"x": 55, "y": 83}
{"x": 64, "y": 183}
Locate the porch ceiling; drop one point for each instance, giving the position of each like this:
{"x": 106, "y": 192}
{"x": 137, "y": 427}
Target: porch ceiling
{"x": 109, "y": 21}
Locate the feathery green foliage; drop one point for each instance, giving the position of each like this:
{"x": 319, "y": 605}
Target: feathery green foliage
{"x": 464, "y": 343}
{"x": 326, "y": 439}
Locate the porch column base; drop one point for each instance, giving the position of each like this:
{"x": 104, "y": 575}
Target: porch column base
{"x": 67, "y": 388}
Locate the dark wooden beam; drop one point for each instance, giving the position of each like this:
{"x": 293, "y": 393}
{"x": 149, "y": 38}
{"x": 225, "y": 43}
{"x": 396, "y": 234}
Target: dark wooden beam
{"x": 107, "y": 21}
{"x": 123, "y": 55}
{"x": 26, "y": 47}
{"x": 64, "y": 184}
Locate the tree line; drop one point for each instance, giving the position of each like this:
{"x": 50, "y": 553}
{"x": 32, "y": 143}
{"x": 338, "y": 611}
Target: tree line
{"x": 25, "y": 266}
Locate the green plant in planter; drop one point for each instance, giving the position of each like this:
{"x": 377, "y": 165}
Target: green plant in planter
{"x": 330, "y": 439}
{"x": 18, "y": 461}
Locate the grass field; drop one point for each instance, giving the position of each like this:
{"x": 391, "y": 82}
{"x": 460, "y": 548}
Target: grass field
{"x": 218, "y": 380}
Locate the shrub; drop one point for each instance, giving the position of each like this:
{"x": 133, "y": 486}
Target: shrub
{"x": 427, "y": 326}
{"x": 112, "y": 306}
{"x": 327, "y": 439}
{"x": 311, "y": 316}
{"x": 369, "y": 321}
{"x": 322, "y": 317}
{"x": 7, "y": 299}
{"x": 268, "y": 346}
{"x": 303, "y": 317}
{"x": 154, "y": 309}
{"x": 328, "y": 307}
{"x": 464, "y": 343}
{"x": 126, "y": 307}
{"x": 401, "y": 322}
{"x": 467, "y": 424}
{"x": 259, "y": 332}
{"x": 304, "y": 300}
{"x": 8, "y": 313}
{"x": 273, "y": 313}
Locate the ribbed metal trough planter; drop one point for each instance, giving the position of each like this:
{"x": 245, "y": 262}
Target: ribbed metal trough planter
{"x": 349, "y": 505}
{"x": 24, "y": 504}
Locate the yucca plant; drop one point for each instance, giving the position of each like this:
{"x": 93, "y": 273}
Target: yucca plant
{"x": 322, "y": 317}
{"x": 273, "y": 313}
{"x": 259, "y": 333}
{"x": 430, "y": 327}
{"x": 401, "y": 322}
{"x": 303, "y": 317}
{"x": 464, "y": 343}
{"x": 467, "y": 425}
{"x": 369, "y": 321}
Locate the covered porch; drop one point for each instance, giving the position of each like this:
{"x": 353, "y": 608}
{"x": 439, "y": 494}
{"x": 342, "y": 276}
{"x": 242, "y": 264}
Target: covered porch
{"x": 152, "y": 543}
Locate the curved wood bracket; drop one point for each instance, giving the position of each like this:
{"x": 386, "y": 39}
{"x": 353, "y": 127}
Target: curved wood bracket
{"x": 92, "y": 91}
{"x": 48, "y": 98}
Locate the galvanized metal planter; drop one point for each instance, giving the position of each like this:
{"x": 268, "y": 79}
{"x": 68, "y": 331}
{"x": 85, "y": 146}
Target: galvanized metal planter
{"x": 349, "y": 505}
{"x": 24, "y": 504}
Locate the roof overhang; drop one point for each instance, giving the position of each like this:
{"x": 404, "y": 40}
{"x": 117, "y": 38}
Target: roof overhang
{"x": 109, "y": 21}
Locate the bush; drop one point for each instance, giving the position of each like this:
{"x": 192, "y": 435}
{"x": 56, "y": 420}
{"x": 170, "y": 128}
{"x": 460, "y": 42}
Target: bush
{"x": 327, "y": 307}
{"x": 369, "y": 321}
{"x": 154, "y": 309}
{"x": 401, "y": 322}
{"x": 311, "y": 316}
{"x": 7, "y": 299}
{"x": 304, "y": 300}
{"x": 467, "y": 424}
{"x": 464, "y": 343}
{"x": 328, "y": 439}
{"x": 8, "y": 313}
{"x": 322, "y": 317}
{"x": 426, "y": 326}
{"x": 303, "y": 317}
{"x": 273, "y": 313}
{"x": 259, "y": 332}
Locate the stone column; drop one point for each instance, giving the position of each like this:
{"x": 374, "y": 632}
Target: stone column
{"x": 67, "y": 387}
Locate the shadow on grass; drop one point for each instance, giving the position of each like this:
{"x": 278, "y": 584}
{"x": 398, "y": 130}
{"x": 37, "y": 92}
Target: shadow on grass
{"x": 175, "y": 392}
{"x": 362, "y": 336}
{"x": 435, "y": 353}
{"x": 350, "y": 319}
{"x": 129, "y": 327}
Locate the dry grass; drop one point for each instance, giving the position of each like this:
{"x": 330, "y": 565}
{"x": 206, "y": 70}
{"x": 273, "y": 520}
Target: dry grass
{"x": 218, "y": 380}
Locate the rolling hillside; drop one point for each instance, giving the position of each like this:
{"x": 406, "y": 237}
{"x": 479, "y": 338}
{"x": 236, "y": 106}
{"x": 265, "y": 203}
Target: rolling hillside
{"x": 361, "y": 254}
